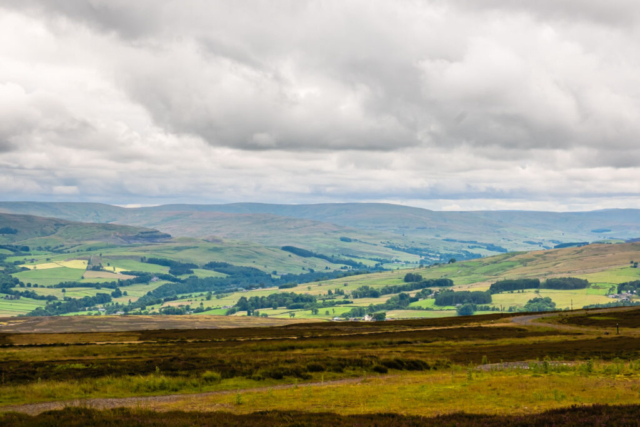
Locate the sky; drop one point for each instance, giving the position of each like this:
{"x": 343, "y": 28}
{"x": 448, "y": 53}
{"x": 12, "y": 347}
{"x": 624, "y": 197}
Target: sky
{"x": 446, "y": 105}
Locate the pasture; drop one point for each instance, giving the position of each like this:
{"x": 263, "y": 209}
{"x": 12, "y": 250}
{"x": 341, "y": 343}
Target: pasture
{"x": 16, "y": 307}
{"x": 51, "y": 276}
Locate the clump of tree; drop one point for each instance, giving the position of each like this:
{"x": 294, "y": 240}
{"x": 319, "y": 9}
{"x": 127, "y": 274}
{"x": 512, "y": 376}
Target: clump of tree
{"x": 369, "y": 292}
{"x": 70, "y": 305}
{"x": 332, "y": 259}
{"x": 629, "y": 286}
{"x": 16, "y": 249}
{"x": 412, "y": 277}
{"x": 290, "y": 300}
{"x": 176, "y": 268}
{"x": 366, "y": 292}
{"x": 466, "y": 310}
{"x": 570, "y": 245}
{"x": 540, "y": 304}
{"x": 514, "y": 285}
{"x": 449, "y": 297}
{"x": 379, "y": 317}
{"x": 396, "y": 302}
{"x": 8, "y": 230}
{"x": 566, "y": 283}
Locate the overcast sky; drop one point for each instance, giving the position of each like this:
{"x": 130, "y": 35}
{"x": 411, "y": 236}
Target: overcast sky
{"x": 483, "y": 104}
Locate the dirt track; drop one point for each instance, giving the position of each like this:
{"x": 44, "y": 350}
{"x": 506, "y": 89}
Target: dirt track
{"x": 147, "y": 401}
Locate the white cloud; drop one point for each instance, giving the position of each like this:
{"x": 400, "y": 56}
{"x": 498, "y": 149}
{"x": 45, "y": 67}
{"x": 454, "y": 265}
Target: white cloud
{"x": 452, "y": 105}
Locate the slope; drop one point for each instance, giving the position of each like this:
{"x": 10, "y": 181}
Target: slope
{"x": 34, "y": 230}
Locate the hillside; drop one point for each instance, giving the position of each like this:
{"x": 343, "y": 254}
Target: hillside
{"x": 265, "y": 229}
{"x": 482, "y": 232}
{"x": 603, "y": 265}
{"x": 512, "y": 229}
{"x": 38, "y": 231}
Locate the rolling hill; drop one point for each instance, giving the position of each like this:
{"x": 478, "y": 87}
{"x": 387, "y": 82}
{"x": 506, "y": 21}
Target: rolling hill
{"x": 376, "y": 230}
{"x": 39, "y": 231}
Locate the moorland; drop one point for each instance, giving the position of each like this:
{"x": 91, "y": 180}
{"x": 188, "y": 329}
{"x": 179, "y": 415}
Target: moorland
{"x": 275, "y": 315}
{"x": 501, "y": 366}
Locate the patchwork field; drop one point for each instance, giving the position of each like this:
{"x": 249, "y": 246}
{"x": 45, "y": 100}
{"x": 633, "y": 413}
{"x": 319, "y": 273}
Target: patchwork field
{"x": 603, "y": 266}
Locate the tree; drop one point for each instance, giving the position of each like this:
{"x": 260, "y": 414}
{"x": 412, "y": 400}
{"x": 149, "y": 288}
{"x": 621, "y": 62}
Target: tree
{"x": 466, "y": 310}
{"x": 540, "y": 304}
{"x": 412, "y": 277}
{"x": 379, "y": 317}
{"x": 314, "y": 311}
{"x": 292, "y": 315}
{"x": 452, "y": 261}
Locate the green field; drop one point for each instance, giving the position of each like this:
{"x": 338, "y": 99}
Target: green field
{"x": 51, "y": 276}
{"x": 132, "y": 265}
{"x": 613, "y": 276}
{"x": 70, "y": 292}
{"x": 16, "y": 307}
{"x": 562, "y": 298}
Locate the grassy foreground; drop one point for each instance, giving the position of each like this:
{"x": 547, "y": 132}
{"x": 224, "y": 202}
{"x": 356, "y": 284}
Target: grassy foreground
{"x": 486, "y": 365}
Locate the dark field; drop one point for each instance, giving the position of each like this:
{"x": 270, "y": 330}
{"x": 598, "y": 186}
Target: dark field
{"x": 77, "y": 324}
{"x": 628, "y": 318}
{"x": 409, "y": 358}
{"x": 240, "y": 352}
{"x": 579, "y": 416}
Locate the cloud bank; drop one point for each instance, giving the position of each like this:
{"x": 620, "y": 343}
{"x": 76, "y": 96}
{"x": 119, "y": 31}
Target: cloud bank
{"x": 490, "y": 104}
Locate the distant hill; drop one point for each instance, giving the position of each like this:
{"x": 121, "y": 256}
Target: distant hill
{"x": 318, "y": 227}
{"x": 38, "y": 231}
{"x": 401, "y": 219}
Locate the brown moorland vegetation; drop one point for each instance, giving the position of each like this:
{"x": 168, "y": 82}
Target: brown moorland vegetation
{"x": 579, "y": 416}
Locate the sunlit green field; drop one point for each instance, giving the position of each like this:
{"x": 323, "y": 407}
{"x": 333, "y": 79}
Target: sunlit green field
{"x": 562, "y": 298}
{"x": 51, "y": 276}
{"x": 131, "y": 265}
{"x": 613, "y": 276}
{"x": 16, "y": 307}
{"x": 70, "y": 292}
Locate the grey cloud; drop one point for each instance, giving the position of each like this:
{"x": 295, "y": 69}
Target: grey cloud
{"x": 127, "y": 19}
{"x": 363, "y": 75}
{"x": 6, "y": 146}
{"x": 610, "y": 13}
{"x": 313, "y": 100}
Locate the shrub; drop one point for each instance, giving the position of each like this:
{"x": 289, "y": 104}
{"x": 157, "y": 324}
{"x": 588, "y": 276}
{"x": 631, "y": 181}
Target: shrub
{"x": 279, "y": 372}
{"x": 211, "y": 377}
{"x": 392, "y": 364}
{"x": 380, "y": 369}
{"x": 315, "y": 367}
{"x": 405, "y": 364}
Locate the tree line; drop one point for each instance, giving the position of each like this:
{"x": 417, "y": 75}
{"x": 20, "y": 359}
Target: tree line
{"x": 566, "y": 283}
{"x": 330, "y": 258}
{"x": 369, "y": 292}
